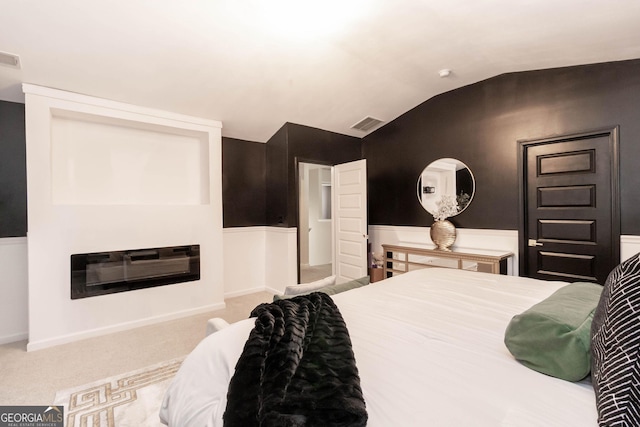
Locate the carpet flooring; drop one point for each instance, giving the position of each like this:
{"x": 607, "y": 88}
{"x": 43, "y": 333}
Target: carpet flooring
{"x": 33, "y": 378}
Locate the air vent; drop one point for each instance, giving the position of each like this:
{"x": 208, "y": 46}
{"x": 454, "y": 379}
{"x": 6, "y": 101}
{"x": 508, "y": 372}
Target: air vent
{"x": 367, "y": 124}
{"x": 9, "y": 59}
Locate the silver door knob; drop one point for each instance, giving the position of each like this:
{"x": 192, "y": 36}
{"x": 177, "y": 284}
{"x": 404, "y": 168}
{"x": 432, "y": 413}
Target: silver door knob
{"x": 533, "y": 242}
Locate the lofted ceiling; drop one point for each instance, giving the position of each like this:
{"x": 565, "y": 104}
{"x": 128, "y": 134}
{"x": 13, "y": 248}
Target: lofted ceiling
{"x": 256, "y": 64}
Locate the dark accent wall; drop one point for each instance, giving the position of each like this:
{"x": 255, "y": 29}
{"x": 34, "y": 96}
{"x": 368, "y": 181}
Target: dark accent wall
{"x": 308, "y": 144}
{"x": 13, "y": 171}
{"x": 277, "y": 178}
{"x": 480, "y": 125}
{"x": 243, "y": 182}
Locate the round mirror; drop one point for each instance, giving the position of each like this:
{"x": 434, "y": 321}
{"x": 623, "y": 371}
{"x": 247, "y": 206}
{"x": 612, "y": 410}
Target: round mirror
{"x": 446, "y": 177}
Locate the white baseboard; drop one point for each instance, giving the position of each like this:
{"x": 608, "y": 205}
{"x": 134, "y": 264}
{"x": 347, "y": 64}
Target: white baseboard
{"x": 64, "y": 339}
{"x": 246, "y": 292}
{"x": 13, "y": 338}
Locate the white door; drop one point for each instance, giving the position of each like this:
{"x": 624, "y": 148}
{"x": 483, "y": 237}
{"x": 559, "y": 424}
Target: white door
{"x": 350, "y": 220}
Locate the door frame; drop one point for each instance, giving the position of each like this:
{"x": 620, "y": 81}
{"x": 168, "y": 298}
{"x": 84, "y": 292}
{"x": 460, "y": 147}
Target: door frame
{"x": 297, "y": 161}
{"x": 610, "y": 132}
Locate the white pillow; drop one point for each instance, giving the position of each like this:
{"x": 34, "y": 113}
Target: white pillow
{"x": 305, "y": 288}
{"x": 197, "y": 396}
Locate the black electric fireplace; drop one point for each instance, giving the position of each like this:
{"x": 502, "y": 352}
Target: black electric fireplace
{"x": 102, "y": 273}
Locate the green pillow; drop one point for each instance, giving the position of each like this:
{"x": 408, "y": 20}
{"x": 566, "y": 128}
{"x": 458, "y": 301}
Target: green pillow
{"x": 333, "y": 289}
{"x": 553, "y": 336}
{"x": 346, "y": 286}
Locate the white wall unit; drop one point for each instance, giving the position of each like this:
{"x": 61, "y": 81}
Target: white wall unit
{"x": 244, "y": 260}
{"x": 258, "y": 259}
{"x": 66, "y": 217}
{"x": 115, "y": 162}
{"x": 281, "y": 258}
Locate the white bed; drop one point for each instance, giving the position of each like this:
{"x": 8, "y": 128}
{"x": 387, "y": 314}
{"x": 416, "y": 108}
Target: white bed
{"x": 429, "y": 349}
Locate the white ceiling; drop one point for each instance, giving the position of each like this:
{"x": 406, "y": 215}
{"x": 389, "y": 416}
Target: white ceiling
{"x": 242, "y": 62}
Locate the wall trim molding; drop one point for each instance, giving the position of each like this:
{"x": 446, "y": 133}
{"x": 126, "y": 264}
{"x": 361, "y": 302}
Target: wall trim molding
{"x": 628, "y": 239}
{"x": 250, "y": 229}
{"x": 6, "y": 241}
{"x": 245, "y": 292}
{"x": 282, "y": 230}
{"x": 254, "y": 228}
{"x": 32, "y": 89}
{"x": 465, "y": 231}
{"x": 13, "y": 338}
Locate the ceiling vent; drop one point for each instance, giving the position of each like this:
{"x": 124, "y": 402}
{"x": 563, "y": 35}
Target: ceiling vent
{"x": 9, "y": 59}
{"x": 367, "y": 124}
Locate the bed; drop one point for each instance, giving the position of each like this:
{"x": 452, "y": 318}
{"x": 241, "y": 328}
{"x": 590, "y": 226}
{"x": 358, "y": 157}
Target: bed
{"x": 430, "y": 350}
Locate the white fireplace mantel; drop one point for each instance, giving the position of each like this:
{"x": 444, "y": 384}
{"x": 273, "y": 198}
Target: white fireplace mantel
{"x": 104, "y": 175}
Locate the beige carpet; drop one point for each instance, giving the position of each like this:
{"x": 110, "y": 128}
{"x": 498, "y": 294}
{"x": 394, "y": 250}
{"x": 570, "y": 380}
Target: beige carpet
{"x": 34, "y": 377}
{"x": 131, "y": 399}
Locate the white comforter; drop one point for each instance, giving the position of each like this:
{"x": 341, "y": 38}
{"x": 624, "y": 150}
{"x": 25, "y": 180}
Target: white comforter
{"x": 430, "y": 352}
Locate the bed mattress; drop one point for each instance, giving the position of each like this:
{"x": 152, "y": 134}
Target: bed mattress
{"x": 429, "y": 348}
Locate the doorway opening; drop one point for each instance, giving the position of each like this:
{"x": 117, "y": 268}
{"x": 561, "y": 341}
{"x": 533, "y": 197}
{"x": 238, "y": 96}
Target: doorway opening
{"x": 315, "y": 222}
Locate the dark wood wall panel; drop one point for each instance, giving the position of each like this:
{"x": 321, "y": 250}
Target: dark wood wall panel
{"x": 480, "y": 125}
{"x": 13, "y": 171}
{"x": 243, "y": 183}
{"x": 304, "y": 143}
{"x": 277, "y": 179}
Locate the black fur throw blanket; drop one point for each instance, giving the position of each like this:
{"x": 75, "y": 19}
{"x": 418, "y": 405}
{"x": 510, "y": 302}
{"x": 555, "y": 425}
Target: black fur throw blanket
{"x": 297, "y": 369}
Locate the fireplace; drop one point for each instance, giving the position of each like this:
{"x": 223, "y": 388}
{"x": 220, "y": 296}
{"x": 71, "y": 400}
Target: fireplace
{"x": 100, "y": 273}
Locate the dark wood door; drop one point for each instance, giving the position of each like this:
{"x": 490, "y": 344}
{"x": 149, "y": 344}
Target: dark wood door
{"x": 571, "y": 224}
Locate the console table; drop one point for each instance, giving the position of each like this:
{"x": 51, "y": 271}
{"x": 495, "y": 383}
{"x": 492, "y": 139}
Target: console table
{"x": 400, "y": 259}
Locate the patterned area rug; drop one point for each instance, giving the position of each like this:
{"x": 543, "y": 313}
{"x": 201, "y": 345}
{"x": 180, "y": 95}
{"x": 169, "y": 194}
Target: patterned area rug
{"x": 131, "y": 399}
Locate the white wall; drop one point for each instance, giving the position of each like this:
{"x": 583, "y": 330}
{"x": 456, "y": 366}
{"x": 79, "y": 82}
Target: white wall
{"x": 281, "y": 258}
{"x": 13, "y": 289}
{"x": 258, "y": 259}
{"x": 79, "y": 221}
{"x": 244, "y": 260}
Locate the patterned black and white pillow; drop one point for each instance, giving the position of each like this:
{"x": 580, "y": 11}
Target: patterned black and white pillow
{"x": 615, "y": 347}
